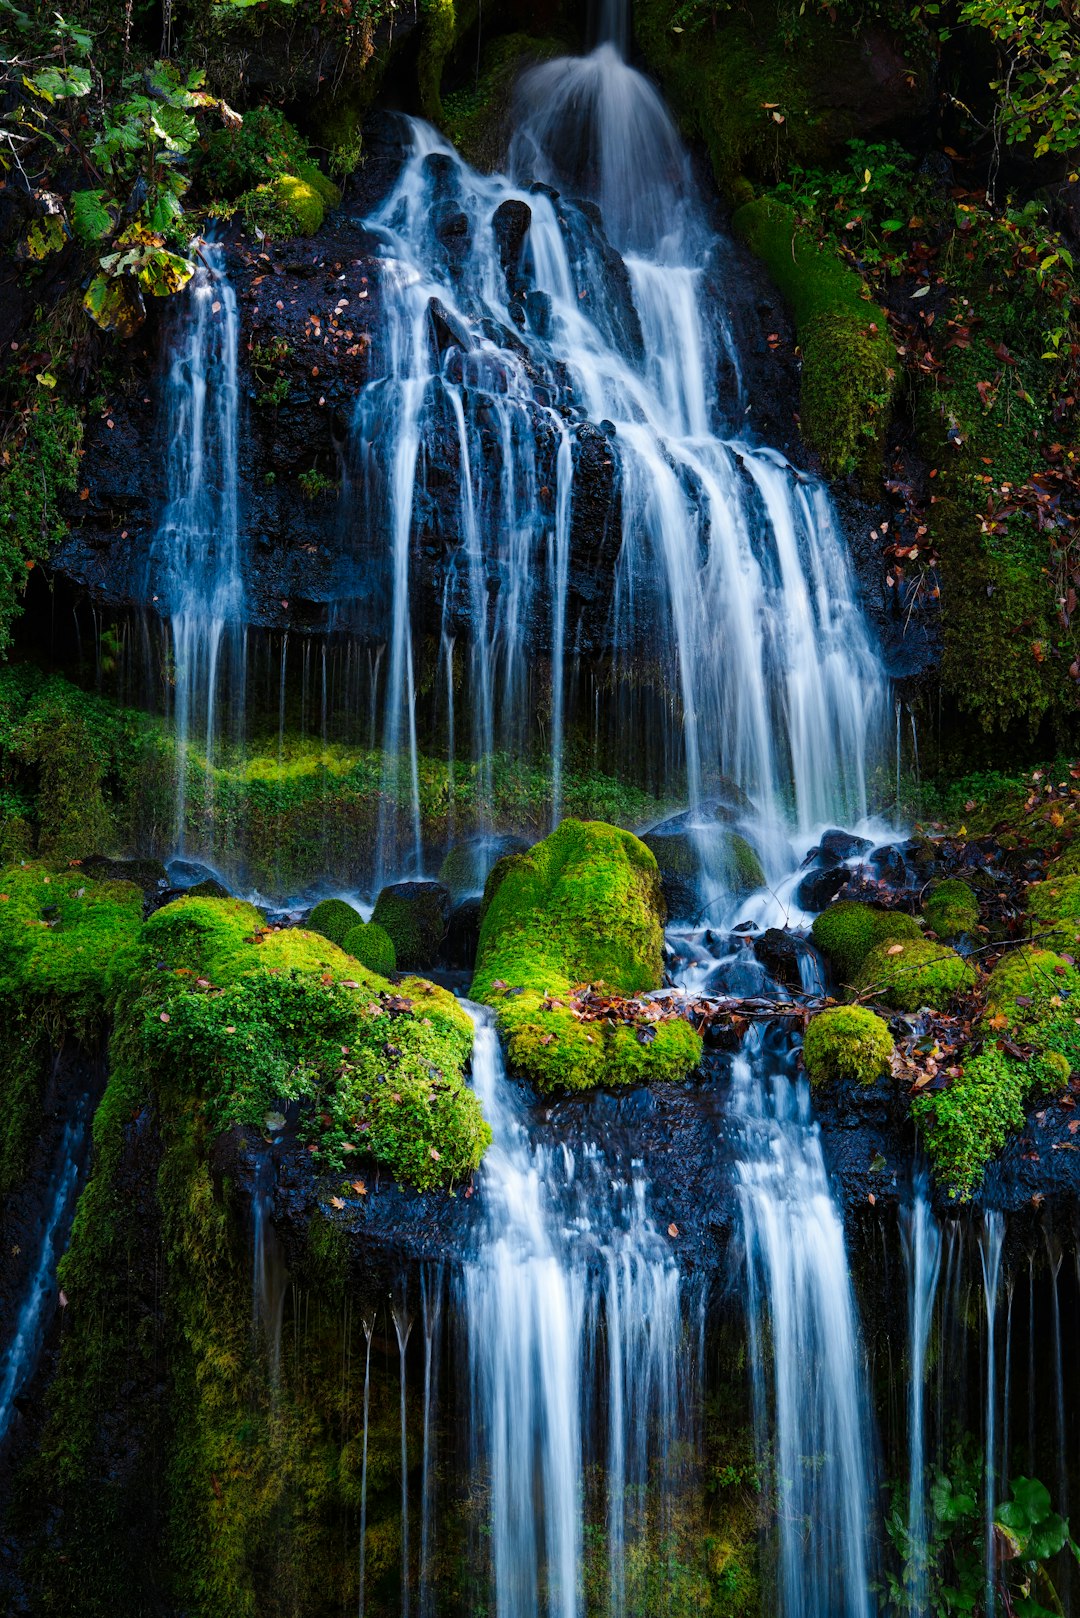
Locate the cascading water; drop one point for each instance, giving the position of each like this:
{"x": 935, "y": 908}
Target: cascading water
{"x": 195, "y": 562}
{"x": 573, "y": 1289}
{"x": 20, "y": 1357}
{"x": 525, "y": 343}
{"x": 810, "y": 1411}
{"x": 921, "y": 1237}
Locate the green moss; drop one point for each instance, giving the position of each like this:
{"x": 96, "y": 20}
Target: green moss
{"x": 848, "y": 931}
{"x": 372, "y": 946}
{"x": 413, "y": 916}
{"x": 59, "y": 930}
{"x": 583, "y": 906}
{"x": 951, "y": 909}
{"x": 1054, "y": 906}
{"x": 436, "y": 43}
{"x": 38, "y": 470}
{"x": 847, "y": 1042}
{"x": 747, "y": 872}
{"x": 969, "y": 1123}
{"x": 1038, "y": 993}
{"x": 334, "y": 919}
{"x": 920, "y": 973}
{"x": 849, "y": 363}
{"x": 287, "y": 206}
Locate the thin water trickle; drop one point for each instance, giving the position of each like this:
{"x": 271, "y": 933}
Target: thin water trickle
{"x": 403, "y": 1325}
{"x": 990, "y": 1244}
{"x": 195, "y": 560}
{"x": 921, "y": 1236}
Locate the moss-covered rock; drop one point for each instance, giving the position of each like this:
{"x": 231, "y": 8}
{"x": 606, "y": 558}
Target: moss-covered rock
{"x": 59, "y": 932}
{"x": 251, "y": 1018}
{"x": 290, "y": 205}
{"x": 584, "y": 906}
{"x": 968, "y": 1124}
{"x": 334, "y": 919}
{"x": 372, "y": 946}
{"x": 847, "y": 1042}
{"x": 914, "y": 973}
{"x": 848, "y": 931}
{"x": 1054, "y": 906}
{"x": 414, "y": 915}
{"x": 474, "y": 117}
{"x": 849, "y": 363}
{"x": 951, "y": 908}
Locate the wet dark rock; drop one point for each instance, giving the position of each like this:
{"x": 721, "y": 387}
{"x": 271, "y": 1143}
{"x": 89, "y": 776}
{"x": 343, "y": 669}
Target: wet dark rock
{"x": 441, "y": 171}
{"x": 510, "y": 225}
{"x": 446, "y": 331}
{"x": 889, "y": 865}
{"x": 820, "y": 887}
{"x": 416, "y": 915}
{"x": 211, "y": 888}
{"x": 147, "y": 874}
{"x": 463, "y": 934}
{"x": 843, "y": 845}
{"x": 781, "y": 952}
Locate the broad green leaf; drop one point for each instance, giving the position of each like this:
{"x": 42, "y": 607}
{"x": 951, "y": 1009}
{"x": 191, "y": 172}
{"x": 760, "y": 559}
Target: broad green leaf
{"x": 164, "y": 273}
{"x": 1048, "y": 1537}
{"x": 114, "y": 305}
{"x": 89, "y": 215}
{"x": 45, "y": 237}
{"x": 1032, "y": 1497}
{"x": 46, "y": 379}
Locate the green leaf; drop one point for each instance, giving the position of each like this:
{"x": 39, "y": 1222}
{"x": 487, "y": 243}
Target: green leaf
{"x": 114, "y": 305}
{"x": 89, "y": 215}
{"x": 162, "y": 273}
{"x": 57, "y": 83}
{"x": 892, "y": 224}
{"x": 1031, "y": 1497}
{"x": 45, "y": 237}
{"x": 1048, "y": 1537}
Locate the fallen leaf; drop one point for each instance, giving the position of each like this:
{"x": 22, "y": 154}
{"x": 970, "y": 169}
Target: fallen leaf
{"x": 673, "y": 1229}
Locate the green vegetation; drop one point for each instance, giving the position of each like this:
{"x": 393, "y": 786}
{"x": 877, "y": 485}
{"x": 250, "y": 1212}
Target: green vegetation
{"x": 59, "y": 932}
{"x": 474, "y": 117}
{"x": 847, "y": 1042}
{"x": 848, "y": 931}
{"x": 251, "y": 1020}
{"x": 581, "y": 907}
{"x": 334, "y": 919}
{"x": 951, "y": 909}
{"x": 372, "y": 946}
{"x": 39, "y": 464}
{"x": 914, "y": 973}
{"x": 849, "y": 361}
{"x": 413, "y": 915}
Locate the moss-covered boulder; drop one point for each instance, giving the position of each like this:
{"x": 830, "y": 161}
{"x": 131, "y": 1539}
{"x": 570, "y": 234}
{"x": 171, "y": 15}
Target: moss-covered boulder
{"x": 849, "y": 362}
{"x": 951, "y": 908}
{"x": 467, "y": 865}
{"x": 415, "y": 916}
{"x": 250, "y": 1018}
{"x": 847, "y": 1042}
{"x": 59, "y": 932}
{"x": 334, "y": 919}
{"x": 582, "y": 907}
{"x": 913, "y": 973}
{"x": 372, "y": 946}
{"x": 848, "y": 931}
{"x": 1054, "y": 906}
{"x": 291, "y": 204}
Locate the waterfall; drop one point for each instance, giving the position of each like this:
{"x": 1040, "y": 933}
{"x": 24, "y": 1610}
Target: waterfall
{"x": 922, "y": 1257}
{"x": 992, "y": 1237}
{"x": 195, "y": 559}
{"x": 810, "y": 1409}
{"x": 269, "y": 1278}
{"x": 524, "y": 342}
{"x": 19, "y": 1360}
{"x": 573, "y": 1290}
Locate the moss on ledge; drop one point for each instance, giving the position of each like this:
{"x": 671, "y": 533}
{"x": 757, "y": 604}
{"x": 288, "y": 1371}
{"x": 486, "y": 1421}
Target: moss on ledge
{"x": 583, "y": 906}
{"x": 251, "y": 1019}
{"x": 915, "y": 973}
{"x": 848, "y": 931}
{"x": 951, "y": 908}
{"x": 847, "y": 1042}
{"x": 849, "y": 363}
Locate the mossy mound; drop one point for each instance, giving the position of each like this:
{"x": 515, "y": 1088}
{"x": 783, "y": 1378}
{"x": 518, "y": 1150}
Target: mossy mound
{"x": 1038, "y": 993}
{"x": 951, "y": 909}
{"x": 849, "y": 363}
{"x": 59, "y": 930}
{"x": 372, "y": 946}
{"x": 847, "y": 1042}
{"x": 414, "y": 915}
{"x": 291, "y": 204}
{"x": 334, "y": 919}
{"x": 1054, "y": 907}
{"x": 581, "y": 907}
{"x": 908, "y": 975}
{"x": 848, "y": 931}
{"x": 251, "y": 153}
{"x": 968, "y": 1124}
{"x": 251, "y": 1019}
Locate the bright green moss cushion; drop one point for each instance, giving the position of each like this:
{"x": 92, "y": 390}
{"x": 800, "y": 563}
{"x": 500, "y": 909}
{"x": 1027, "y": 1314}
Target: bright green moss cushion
{"x": 582, "y": 907}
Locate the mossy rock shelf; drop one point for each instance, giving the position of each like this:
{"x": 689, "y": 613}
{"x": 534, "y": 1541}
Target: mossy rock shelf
{"x": 582, "y": 907}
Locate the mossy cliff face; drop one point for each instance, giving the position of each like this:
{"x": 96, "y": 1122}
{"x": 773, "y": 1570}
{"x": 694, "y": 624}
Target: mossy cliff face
{"x": 582, "y": 907}
{"x": 849, "y": 362}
